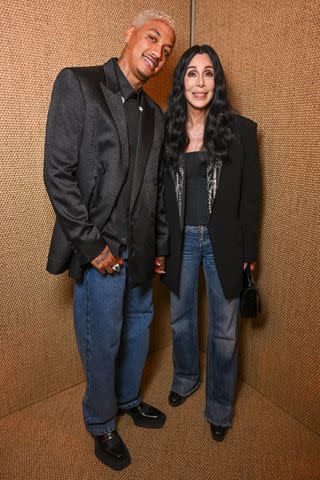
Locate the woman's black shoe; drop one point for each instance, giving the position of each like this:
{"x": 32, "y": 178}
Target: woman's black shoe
{"x": 219, "y": 432}
{"x": 175, "y": 399}
{"x": 110, "y": 450}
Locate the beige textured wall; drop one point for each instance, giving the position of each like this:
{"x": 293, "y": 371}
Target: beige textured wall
{"x": 38, "y": 38}
{"x": 270, "y": 52}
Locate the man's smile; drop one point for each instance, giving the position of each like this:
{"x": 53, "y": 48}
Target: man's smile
{"x": 150, "y": 61}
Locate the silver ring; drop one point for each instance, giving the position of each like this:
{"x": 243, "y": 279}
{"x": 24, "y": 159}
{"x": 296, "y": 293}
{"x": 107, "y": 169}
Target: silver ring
{"x": 116, "y": 267}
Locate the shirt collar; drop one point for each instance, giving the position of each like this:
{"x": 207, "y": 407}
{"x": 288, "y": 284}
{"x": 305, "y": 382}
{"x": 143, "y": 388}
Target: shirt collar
{"x": 126, "y": 89}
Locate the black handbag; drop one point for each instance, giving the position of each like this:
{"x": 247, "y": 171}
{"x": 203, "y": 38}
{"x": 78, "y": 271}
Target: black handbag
{"x": 250, "y": 305}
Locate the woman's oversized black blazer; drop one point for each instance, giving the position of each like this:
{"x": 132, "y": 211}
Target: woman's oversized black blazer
{"x": 234, "y": 219}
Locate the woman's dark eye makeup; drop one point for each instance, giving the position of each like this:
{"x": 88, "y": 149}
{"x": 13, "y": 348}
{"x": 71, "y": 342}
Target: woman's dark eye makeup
{"x": 193, "y": 73}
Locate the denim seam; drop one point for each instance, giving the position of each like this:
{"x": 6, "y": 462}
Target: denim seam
{"x": 88, "y": 349}
{"x": 195, "y": 315}
{"x": 209, "y": 384}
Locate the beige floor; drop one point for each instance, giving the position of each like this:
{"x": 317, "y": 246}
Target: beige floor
{"x": 48, "y": 441}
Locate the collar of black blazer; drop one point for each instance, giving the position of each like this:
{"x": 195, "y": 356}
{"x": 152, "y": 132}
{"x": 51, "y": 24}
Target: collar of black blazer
{"x": 111, "y": 82}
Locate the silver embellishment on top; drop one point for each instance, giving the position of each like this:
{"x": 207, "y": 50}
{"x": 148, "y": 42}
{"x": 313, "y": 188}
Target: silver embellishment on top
{"x": 179, "y": 182}
{"x": 213, "y": 176}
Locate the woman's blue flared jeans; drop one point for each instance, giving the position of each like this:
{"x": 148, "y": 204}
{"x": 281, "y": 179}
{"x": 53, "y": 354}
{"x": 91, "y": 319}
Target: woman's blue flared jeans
{"x": 221, "y": 360}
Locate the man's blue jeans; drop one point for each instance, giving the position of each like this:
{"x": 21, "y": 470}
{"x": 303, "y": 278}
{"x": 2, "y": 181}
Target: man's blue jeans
{"x": 112, "y": 322}
{"x": 221, "y": 362}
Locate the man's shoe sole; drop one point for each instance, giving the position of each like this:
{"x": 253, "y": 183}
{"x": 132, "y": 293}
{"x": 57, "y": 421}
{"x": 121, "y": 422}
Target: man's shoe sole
{"x": 144, "y": 423}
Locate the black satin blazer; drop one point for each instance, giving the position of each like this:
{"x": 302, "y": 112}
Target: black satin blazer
{"x": 86, "y": 163}
{"x": 234, "y": 219}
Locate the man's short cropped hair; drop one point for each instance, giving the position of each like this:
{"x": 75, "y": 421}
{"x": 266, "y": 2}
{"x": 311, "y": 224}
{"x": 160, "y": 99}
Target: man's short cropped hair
{"x": 147, "y": 15}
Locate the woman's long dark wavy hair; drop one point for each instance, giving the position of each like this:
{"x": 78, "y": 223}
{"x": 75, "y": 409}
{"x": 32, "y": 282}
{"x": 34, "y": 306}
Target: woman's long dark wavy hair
{"x": 218, "y": 131}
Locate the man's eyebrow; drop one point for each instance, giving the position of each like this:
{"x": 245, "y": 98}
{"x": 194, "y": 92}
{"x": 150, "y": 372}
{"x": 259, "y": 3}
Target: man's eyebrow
{"x": 154, "y": 30}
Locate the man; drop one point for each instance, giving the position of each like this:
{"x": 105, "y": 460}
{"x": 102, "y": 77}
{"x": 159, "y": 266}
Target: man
{"x": 103, "y": 141}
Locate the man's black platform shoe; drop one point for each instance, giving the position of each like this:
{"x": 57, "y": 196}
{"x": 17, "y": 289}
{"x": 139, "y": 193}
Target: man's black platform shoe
{"x": 145, "y": 415}
{"x": 219, "y": 432}
{"x": 110, "y": 450}
{"x": 175, "y": 399}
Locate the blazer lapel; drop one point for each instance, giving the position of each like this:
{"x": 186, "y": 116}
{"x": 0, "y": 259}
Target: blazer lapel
{"x": 113, "y": 99}
{"x": 144, "y": 144}
{"x": 227, "y": 170}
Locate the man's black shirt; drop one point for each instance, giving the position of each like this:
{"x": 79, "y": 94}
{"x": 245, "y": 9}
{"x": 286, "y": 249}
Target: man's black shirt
{"x": 117, "y": 225}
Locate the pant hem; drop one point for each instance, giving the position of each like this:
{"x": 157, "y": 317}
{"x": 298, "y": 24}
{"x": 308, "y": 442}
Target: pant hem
{"x": 131, "y": 404}
{"x": 107, "y": 429}
{"x": 217, "y": 422}
{"x": 193, "y": 389}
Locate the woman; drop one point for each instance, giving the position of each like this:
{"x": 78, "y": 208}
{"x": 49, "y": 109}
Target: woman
{"x": 211, "y": 182}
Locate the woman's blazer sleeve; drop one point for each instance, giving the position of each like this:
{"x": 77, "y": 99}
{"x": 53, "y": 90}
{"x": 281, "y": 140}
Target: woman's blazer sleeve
{"x": 250, "y": 190}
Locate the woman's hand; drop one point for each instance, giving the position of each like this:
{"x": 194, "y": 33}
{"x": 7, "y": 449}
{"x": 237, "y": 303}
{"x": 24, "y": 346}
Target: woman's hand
{"x": 160, "y": 265}
{"x": 252, "y": 265}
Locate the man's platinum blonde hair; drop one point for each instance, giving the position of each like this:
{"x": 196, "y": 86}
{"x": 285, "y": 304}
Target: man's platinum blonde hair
{"x": 147, "y": 15}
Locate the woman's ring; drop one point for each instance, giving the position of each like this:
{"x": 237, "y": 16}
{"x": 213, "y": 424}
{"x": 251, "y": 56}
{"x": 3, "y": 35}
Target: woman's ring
{"x": 116, "y": 267}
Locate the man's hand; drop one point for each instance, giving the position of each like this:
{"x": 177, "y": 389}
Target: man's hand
{"x": 252, "y": 265}
{"x": 160, "y": 265}
{"x": 105, "y": 261}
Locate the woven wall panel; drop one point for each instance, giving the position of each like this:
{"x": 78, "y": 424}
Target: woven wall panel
{"x": 270, "y": 52}
{"x": 38, "y": 38}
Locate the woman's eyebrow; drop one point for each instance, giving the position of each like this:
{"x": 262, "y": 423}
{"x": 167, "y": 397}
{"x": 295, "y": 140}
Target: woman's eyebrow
{"x": 195, "y": 66}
